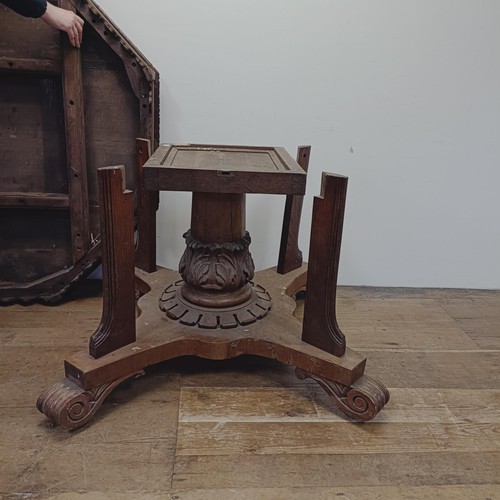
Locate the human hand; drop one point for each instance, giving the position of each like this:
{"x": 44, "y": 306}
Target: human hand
{"x": 65, "y": 20}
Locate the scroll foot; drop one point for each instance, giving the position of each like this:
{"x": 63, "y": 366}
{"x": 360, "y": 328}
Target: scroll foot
{"x": 360, "y": 401}
{"x": 70, "y": 406}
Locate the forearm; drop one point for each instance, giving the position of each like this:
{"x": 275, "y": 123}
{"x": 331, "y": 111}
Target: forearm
{"x": 27, "y": 8}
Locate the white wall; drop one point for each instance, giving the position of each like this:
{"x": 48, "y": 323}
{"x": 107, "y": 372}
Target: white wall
{"x": 401, "y": 96}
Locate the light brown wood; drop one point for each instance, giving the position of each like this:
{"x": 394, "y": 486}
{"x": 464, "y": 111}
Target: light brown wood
{"x": 440, "y": 426}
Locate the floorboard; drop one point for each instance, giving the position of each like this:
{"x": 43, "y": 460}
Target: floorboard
{"x": 249, "y": 428}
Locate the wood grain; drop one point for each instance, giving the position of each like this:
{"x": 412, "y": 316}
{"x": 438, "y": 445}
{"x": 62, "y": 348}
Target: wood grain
{"x": 277, "y": 435}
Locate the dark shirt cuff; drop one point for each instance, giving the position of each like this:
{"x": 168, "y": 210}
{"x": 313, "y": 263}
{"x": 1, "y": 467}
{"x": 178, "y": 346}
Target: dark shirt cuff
{"x": 27, "y": 8}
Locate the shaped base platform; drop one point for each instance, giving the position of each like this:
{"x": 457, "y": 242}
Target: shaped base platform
{"x": 73, "y": 402}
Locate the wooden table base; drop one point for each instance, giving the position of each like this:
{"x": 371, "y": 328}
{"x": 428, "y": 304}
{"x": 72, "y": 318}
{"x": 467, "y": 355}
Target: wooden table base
{"x": 72, "y": 403}
{"x": 134, "y": 334}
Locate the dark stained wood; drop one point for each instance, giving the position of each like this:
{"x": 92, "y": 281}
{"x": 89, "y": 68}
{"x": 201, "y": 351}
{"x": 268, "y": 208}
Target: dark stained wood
{"x": 47, "y": 200}
{"x": 217, "y": 310}
{"x": 320, "y": 323}
{"x": 117, "y": 326}
{"x": 52, "y": 287}
{"x": 290, "y": 256}
{"x": 27, "y": 247}
{"x": 30, "y": 123}
{"x": 142, "y": 76}
{"x": 218, "y": 218}
{"x": 147, "y": 205}
{"x": 75, "y": 144}
{"x": 45, "y": 159}
{"x": 224, "y": 169}
{"x": 276, "y": 337}
{"x": 46, "y": 66}
{"x": 25, "y": 38}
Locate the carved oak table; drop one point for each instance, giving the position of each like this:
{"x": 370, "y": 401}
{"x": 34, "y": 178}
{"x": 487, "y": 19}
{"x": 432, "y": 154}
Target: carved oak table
{"x": 216, "y": 306}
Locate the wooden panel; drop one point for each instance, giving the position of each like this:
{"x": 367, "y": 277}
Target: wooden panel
{"x": 32, "y": 148}
{"x": 111, "y": 125}
{"x": 224, "y": 169}
{"x": 33, "y": 243}
{"x": 41, "y": 43}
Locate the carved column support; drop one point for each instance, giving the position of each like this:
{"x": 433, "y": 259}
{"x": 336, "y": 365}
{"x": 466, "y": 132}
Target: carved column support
{"x": 216, "y": 274}
{"x": 68, "y": 405}
{"x": 360, "y": 401}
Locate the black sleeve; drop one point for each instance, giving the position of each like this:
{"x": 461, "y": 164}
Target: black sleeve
{"x": 27, "y": 8}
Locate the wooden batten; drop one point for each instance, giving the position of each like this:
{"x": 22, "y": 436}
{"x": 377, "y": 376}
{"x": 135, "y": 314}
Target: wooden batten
{"x": 48, "y": 66}
{"x": 75, "y": 144}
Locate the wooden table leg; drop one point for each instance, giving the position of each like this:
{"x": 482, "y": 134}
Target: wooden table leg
{"x": 290, "y": 256}
{"x": 117, "y": 326}
{"x": 320, "y": 327}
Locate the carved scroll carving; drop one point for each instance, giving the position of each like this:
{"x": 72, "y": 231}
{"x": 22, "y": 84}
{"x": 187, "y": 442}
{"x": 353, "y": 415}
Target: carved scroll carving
{"x": 68, "y": 405}
{"x": 360, "y": 401}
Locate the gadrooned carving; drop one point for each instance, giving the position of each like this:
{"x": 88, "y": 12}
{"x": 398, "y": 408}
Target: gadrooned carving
{"x": 177, "y": 307}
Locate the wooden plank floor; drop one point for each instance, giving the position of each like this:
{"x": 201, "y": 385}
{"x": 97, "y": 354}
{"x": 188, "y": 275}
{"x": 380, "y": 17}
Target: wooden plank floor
{"x": 248, "y": 428}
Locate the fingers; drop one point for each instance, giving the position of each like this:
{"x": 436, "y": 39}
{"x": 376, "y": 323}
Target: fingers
{"x": 75, "y": 31}
{"x": 66, "y": 21}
